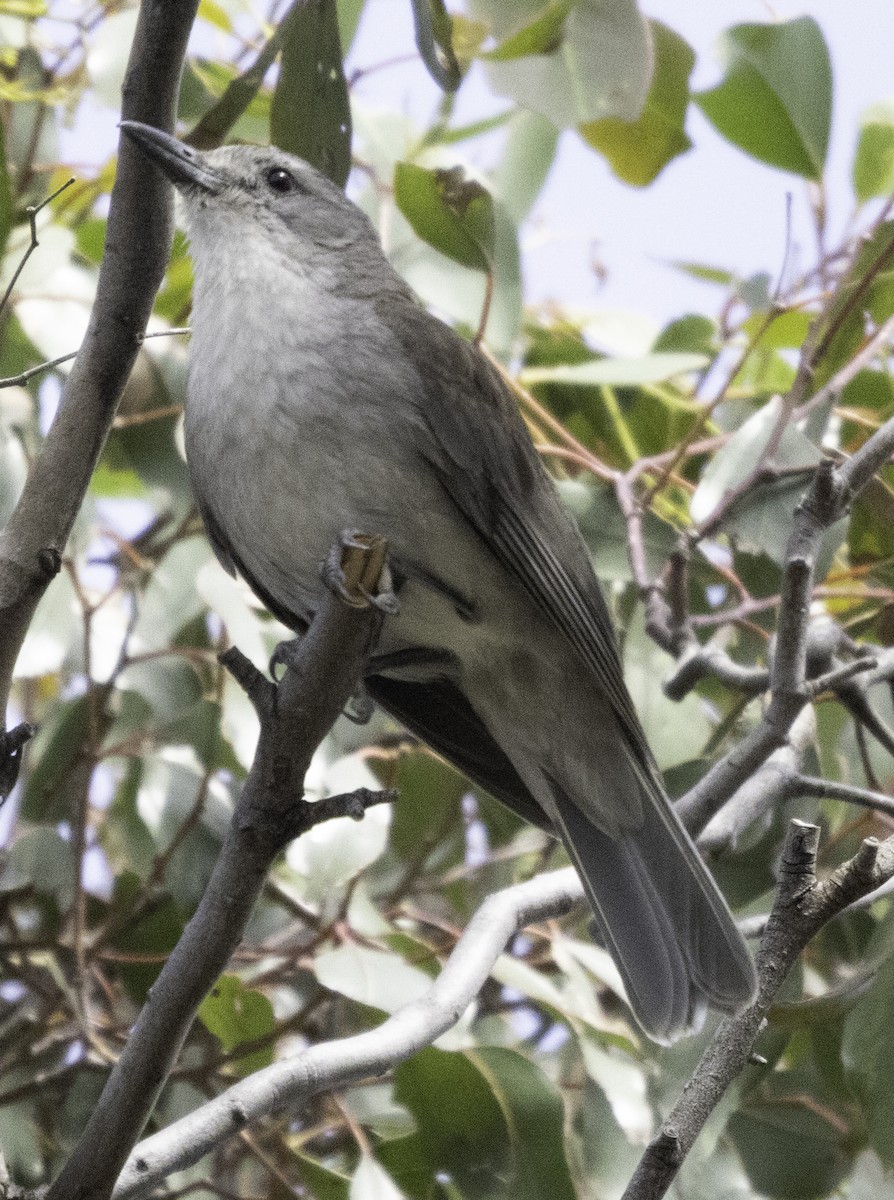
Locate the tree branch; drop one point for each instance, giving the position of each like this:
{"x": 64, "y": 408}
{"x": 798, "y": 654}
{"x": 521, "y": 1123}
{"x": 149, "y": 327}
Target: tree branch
{"x": 296, "y": 714}
{"x": 331, "y": 1065}
{"x": 801, "y": 908}
{"x": 138, "y": 240}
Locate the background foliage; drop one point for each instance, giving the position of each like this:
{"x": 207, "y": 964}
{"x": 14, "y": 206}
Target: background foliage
{"x": 544, "y": 1089}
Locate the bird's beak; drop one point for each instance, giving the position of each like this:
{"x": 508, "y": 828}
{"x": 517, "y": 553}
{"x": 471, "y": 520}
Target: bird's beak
{"x": 186, "y": 168}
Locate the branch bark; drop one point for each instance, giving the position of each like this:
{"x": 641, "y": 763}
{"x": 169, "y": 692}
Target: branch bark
{"x": 801, "y": 908}
{"x": 138, "y": 241}
{"x": 322, "y": 673}
{"x": 333, "y": 1065}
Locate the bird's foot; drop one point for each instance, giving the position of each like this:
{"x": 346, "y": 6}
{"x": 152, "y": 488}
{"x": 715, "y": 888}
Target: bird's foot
{"x": 360, "y": 707}
{"x": 369, "y": 583}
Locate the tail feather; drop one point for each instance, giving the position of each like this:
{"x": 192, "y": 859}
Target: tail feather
{"x": 663, "y": 917}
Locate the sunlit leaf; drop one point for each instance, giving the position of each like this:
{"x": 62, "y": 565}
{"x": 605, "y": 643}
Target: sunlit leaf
{"x": 311, "y": 113}
{"x": 450, "y": 212}
{"x": 776, "y": 99}
{"x": 371, "y": 977}
{"x": 602, "y": 66}
{"x": 236, "y": 1014}
{"x": 638, "y": 150}
{"x": 873, "y": 169}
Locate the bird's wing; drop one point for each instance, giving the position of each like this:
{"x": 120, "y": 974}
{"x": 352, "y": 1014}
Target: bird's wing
{"x": 438, "y": 713}
{"x": 476, "y": 441}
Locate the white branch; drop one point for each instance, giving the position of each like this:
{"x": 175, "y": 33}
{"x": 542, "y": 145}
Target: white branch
{"x": 290, "y": 1083}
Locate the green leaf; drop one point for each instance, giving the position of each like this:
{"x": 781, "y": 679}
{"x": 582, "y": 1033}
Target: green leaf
{"x": 371, "y": 1181}
{"x": 372, "y": 977}
{"x": 236, "y": 1014}
{"x": 428, "y": 809}
{"x": 595, "y": 508}
{"x": 618, "y": 372}
{"x": 534, "y": 1114}
{"x": 638, "y": 150}
{"x": 311, "y": 111}
{"x": 786, "y": 331}
{"x": 873, "y": 170}
{"x": 791, "y": 1148}
{"x": 528, "y": 155}
{"x": 349, "y": 14}
{"x": 764, "y": 516}
{"x": 460, "y": 1121}
{"x": 321, "y": 1182}
{"x": 775, "y": 102}
{"x": 6, "y": 213}
{"x": 543, "y": 35}
{"x": 45, "y": 859}
{"x": 149, "y": 938}
{"x": 55, "y": 752}
{"x": 676, "y": 731}
{"x": 434, "y": 26}
{"x": 868, "y": 1056}
{"x": 450, "y": 212}
{"x": 601, "y": 68}
{"x": 217, "y": 122}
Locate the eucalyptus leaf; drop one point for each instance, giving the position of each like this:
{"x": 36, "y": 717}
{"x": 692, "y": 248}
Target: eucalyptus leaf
{"x": 372, "y": 977}
{"x": 638, "y": 150}
{"x": 311, "y": 112}
{"x": 775, "y": 101}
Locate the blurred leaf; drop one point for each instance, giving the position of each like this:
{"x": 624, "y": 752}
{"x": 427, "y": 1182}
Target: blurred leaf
{"x": 692, "y": 334}
{"x": 786, "y": 330}
{"x": 619, "y": 372}
{"x": 638, "y": 150}
{"x": 764, "y": 515}
{"x": 236, "y": 1014}
{"x": 13, "y": 472}
{"x": 528, "y": 154}
{"x": 349, "y": 14}
{"x": 372, "y": 977}
{"x": 868, "y": 1057}
{"x": 331, "y": 854}
{"x": 428, "y": 807}
{"x": 461, "y": 1123}
{"x": 873, "y": 169}
{"x": 170, "y": 600}
{"x": 602, "y": 67}
{"x": 24, "y": 8}
{"x": 450, "y": 212}
{"x": 676, "y": 732}
{"x": 595, "y": 508}
{"x": 53, "y": 754}
{"x": 311, "y": 112}
{"x": 775, "y": 102}
{"x": 371, "y": 1181}
{"x": 45, "y": 859}
{"x": 535, "y": 1115}
{"x": 6, "y": 213}
{"x": 144, "y": 933}
{"x": 321, "y": 1182}
{"x": 792, "y": 1146}
{"x": 217, "y": 122}
{"x": 433, "y": 26}
{"x": 543, "y": 35}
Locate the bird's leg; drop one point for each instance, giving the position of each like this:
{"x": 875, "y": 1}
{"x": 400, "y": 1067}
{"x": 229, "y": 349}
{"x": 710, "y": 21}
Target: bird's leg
{"x": 373, "y": 586}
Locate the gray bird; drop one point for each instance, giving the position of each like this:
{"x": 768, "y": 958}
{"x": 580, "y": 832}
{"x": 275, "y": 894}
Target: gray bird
{"x": 321, "y": 397}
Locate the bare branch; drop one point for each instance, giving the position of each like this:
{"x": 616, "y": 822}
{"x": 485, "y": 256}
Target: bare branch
{"x": 801, "y": 908}
{"x": 323, "y": 672}
{"x": 331, "y": 1065}
{"x": 138, "y": 239}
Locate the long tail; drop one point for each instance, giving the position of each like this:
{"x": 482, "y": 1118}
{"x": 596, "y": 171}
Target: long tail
{"x": 663, "y": 917}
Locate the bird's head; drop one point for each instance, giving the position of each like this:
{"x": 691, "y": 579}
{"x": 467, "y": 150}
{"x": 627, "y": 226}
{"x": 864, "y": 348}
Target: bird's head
{"x": 254, "y": 192}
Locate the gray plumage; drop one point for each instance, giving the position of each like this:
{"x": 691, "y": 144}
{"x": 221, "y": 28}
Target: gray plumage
{"x": 323, "y": 397}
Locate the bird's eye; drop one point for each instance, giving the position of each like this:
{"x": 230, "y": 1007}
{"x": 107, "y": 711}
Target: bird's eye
{"x": 280, "y": 180}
